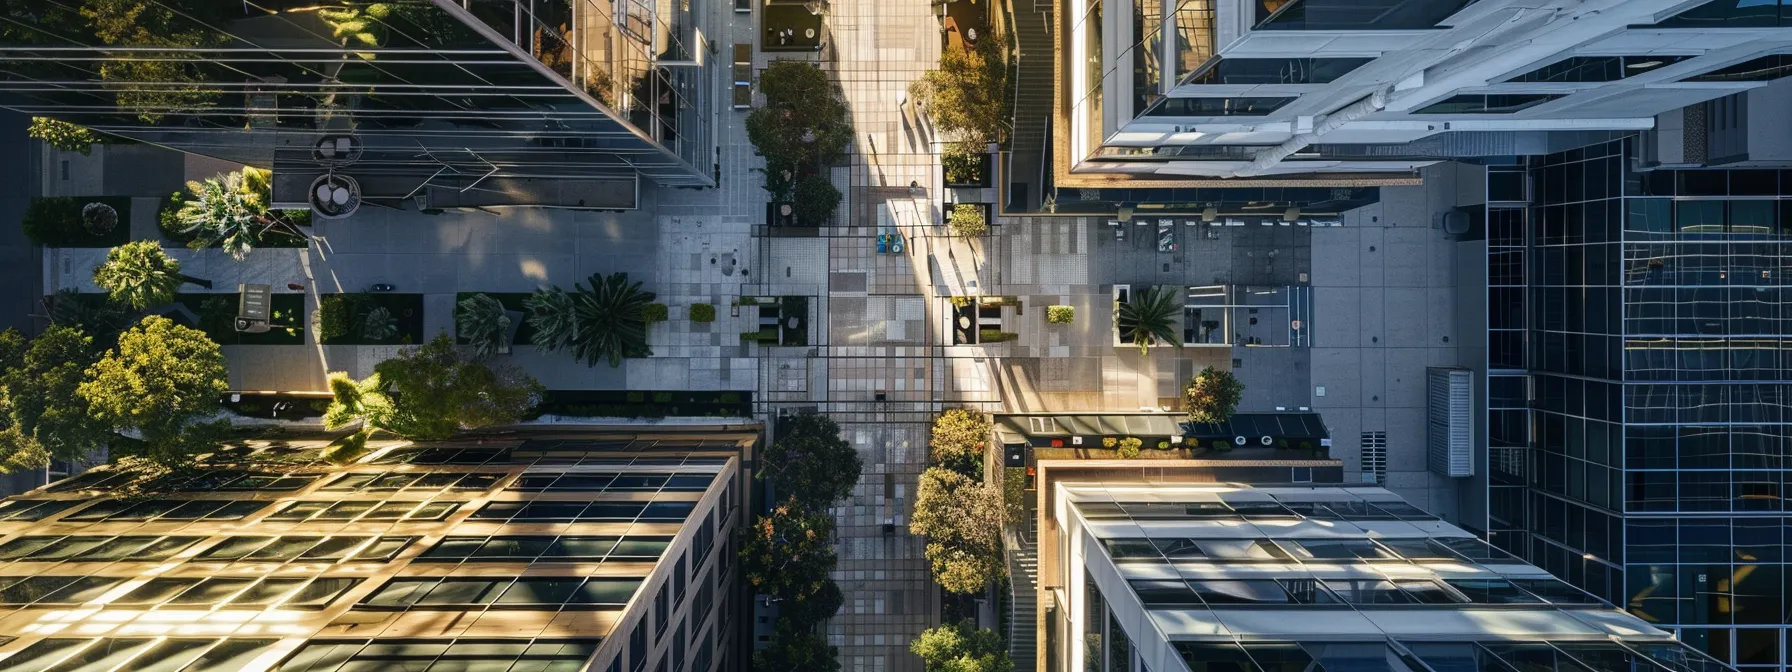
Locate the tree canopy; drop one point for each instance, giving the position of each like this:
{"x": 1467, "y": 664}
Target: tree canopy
{"x": 45, "y": 418}
{"x": 961, "y": 647}
{"x": 481, "y": 320}
{"x": 164, "y": 381}
{"x": 811, "y": 463}
{"x": 967, "y": 95}
{"x": 139, "y": 275}
{"x": 1212, "y": 395}
{"x": 609, "y": 320}
{"x": 434, "y": 392}
{"x": 804, "y": 122}
{"x": 962, "y": 520}
{"x": 958, "y": 439}
{"x": 812, "y": 610}
{"x": 789, "y": 553}
{"x": 1151, "y": 318}
{"x": 796, "y": 649}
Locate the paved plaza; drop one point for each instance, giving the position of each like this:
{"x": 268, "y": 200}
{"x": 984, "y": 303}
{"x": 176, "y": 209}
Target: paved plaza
{"x": 1373, "y": 299}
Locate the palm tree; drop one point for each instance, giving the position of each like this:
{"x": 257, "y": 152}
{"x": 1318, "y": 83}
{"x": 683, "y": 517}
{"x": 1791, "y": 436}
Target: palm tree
{"x": 354, "y": 402}
{"x": 228, "y": 209}
{"x": 1151, "y": 318}
{"x": 379, "y": 325}
{"x": 139, "y": 275}
{"x": 610, "y": 326}
{"x": 551, "y": 316}
{"x": 481, "y": 320}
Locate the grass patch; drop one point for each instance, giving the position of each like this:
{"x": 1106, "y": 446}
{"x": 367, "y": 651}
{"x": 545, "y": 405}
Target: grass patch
{"x": 342, "y": 317}
{"x": 512, "y": 302}
{"x": 217, "y": 318}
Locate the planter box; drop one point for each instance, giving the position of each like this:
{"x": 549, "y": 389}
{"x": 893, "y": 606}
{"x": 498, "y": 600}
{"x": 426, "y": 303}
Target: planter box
{"x": 982, "y": 174}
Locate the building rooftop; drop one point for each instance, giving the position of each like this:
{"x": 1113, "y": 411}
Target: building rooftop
{"x": 550, "y": 554}
{"x": 1226, "y": 577}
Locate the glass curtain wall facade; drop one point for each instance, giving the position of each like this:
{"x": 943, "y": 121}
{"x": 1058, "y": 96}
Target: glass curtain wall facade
{"x": 553, "y": 89}
{"x": 556, "y": 552}
{"x": 1637, "y": 390}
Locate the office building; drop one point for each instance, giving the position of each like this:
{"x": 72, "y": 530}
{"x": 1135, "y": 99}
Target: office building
{"x": 474, "y": 102}
{"x": 1215, "y": 577}
{"x": 542, "y": 553}
{"x": 1637, "y": 387}
{"x": 1177, "y": 93}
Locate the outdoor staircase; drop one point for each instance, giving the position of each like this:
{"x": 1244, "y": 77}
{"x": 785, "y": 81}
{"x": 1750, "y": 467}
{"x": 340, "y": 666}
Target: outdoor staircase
{"x": 1023, "y": 575}
{"x": 1033, "y": 90}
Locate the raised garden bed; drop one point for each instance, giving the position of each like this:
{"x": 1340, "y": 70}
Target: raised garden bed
{"x": 774, "y": 326}
{"x": 967, "y": 171}
{"x": 513, "y": 303}
{"x": 277, "y": 406}
{"x": 273, "y": 238}
{"x": 342, "y": 317}
{"x": 217, "y": 318}
{"x": 645, "y": 404}
{"x": 789, "y": 26}
{"x": 55, "y": 221}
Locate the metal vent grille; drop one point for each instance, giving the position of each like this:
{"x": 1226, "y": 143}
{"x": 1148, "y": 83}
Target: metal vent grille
{"x": 1375, "y": 457}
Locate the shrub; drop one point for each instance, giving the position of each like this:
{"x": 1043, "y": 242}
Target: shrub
{"x": 53, "y": 221}
{"x": 996, "y": 335}
{"x": 98, "y": 218}
{"x": 335, "y": 316}
{"x": 966, "y": 221}
{"x": 1163, "y": 445}
{"x": 728, "y": 398}
{"x": 963, "y": 164}
{"x": 662, "y": 397}
{"x": 703, "y": 312}
{"x": 1060, "y": 314}
{"x": 1212, "y": 395}
{"x": 1129, "y": 447}
{"x": 654, "y": 312}
{"x": 637, "y": 397}
{"x": 1109, "y": 442}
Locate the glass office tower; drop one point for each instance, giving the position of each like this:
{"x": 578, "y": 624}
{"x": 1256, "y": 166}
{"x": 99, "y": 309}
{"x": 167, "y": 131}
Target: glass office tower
{"x": 1637, "y": 388}
{"x": 451, "y": 93}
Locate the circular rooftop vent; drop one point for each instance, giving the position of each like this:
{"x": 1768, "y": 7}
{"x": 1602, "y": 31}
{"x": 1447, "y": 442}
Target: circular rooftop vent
{"x": 337, "y": 150}
{"x": 334, "y": 196}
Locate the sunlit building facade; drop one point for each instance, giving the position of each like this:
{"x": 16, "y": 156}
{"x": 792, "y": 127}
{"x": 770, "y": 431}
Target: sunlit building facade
{"x": 452, "y": 95}
{"x": 607, "y": 552}
{"x": 1638, "y": 387}
{"x": 1357, "y": 90}
{"x": 1221, "y": 577}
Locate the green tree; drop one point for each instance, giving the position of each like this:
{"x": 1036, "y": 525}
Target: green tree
{"x": 804, "y": 122}
{"x": 434, "y": 392}
{"x": 1151, "y": 318}
{"x": 967, "y": 221}
{"x": 967, "y": 96}
{"x": 811, "y": 611}
{"x": 961, "y": 647}
{"x": 811, "y": 463}
{"x": 1212, "y": 395}
{"x": 354, "y": 402}
{"x": 164, "y": 381}
{"x": 228, "y": 210}
{"x": 481, "y": 320}
{"x": 552, "y": 317}
{"x": 796, "y": 649}
{"x": 156, "y": 83}
{"x": 962, "y": 520}
{"x": 139, "y": 275}
{"x": 45, "y": 417}
{"x": 63, "y": 135}
{"x": 789, "y": 553}
{"x": 816, "y": 198}
{"x": 610, "y": 327}
{"x": 95, "y": 316}
{"x": 958, "y": 439}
